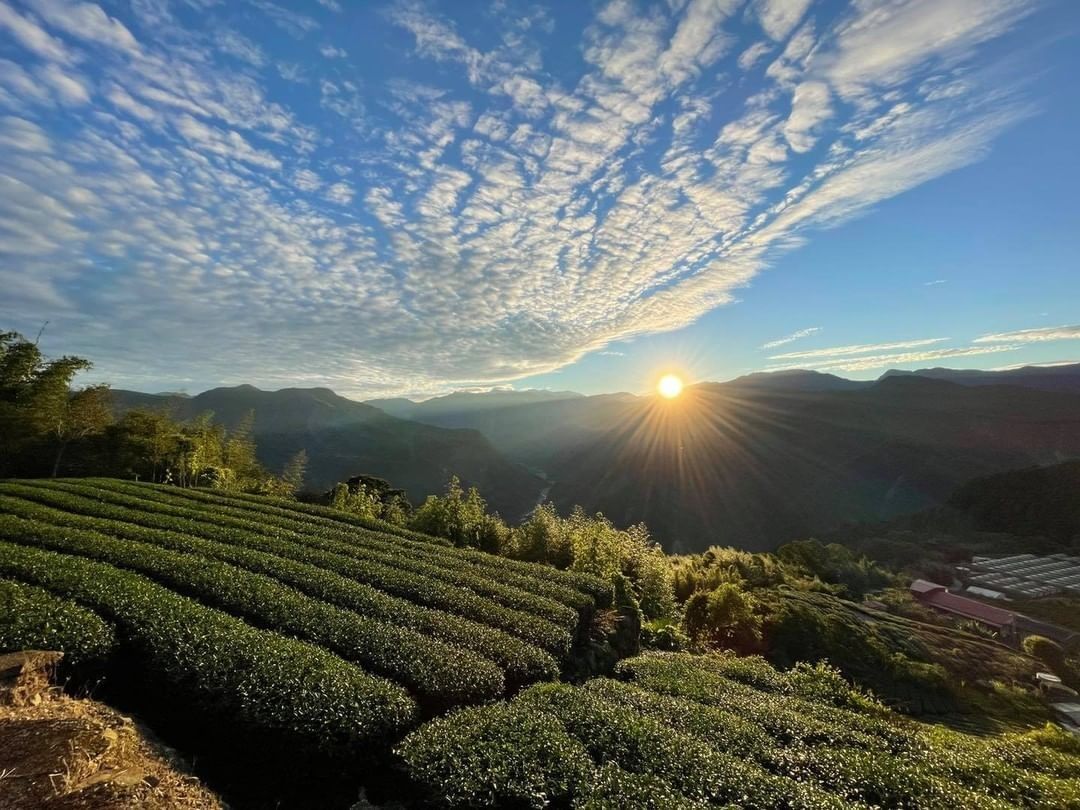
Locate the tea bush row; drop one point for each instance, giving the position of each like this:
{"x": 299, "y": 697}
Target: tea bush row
{"x": 219, "y": 667}
{"x": 569, "y": 588}
{"x": 522, "y": 663}
{"x": 406, "y": 584}
{"x": 440, "y": 675}
{"x": 31, "y": 618}
{"x": 681, "y": 734}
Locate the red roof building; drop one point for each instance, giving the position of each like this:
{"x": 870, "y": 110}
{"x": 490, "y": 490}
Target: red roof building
{"x": 937, "y": 596}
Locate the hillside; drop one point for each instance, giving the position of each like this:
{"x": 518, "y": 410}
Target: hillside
{"x": 344, "y": 438}
{"x": 238, "y": 621}
{"x": 1038, "y": 501}
{"x": 754, "y": 468}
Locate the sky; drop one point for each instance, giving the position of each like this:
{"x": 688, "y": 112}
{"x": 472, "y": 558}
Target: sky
{"x": 408, "y": 198}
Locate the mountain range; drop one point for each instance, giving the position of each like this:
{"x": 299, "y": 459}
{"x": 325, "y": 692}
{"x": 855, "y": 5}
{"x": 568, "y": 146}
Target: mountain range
{"x": 751, "y": 462}
{"x": 344, "y": 438}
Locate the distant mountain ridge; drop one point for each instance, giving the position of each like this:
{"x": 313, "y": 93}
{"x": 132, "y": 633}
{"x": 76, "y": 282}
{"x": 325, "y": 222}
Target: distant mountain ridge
{"x": 751, "y": 462}
{"x": 344, "y": 438}
{"x": 1045, "y": 378}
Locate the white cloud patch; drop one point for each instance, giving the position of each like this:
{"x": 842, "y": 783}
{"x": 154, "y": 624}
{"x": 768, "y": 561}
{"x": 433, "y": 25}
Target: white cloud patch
{"x": 799, "y": 335}
{"x": 505, "y": 216}
{"x": 779, "y": 17}
{"x": 1039, "y": 335}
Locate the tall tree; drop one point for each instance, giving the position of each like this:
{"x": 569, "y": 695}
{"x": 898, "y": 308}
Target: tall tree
{"x": 83, "y": 413}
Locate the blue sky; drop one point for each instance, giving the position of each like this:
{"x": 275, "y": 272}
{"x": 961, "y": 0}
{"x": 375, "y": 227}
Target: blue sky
{"x": 414, "y": 197}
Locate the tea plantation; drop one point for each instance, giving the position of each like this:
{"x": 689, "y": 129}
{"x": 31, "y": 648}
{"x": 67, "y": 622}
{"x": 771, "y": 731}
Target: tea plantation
{"x": 287, "y": 619}
{"x": 272, "y": 635}
{"x": 674, "y": 730}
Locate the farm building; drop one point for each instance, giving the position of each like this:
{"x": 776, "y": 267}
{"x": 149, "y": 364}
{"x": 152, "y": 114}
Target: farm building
{"x": 1024, "y": 576}
{"x": 938, "y": 597}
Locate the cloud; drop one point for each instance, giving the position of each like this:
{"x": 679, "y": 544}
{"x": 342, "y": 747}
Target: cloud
{"x": 871, "y": 362}
{"x": 1038, "y": 335}
{"x": 503, "y": 217}
{"x": 810, "y": 108}
{"x": 241, "y": 47}
{"x": 330, "y": 52}
{"x": 341, "y": 193}
{"x": 840, "y": 351}
{"x": 935, "y": 282}
{"x": 67, "y": 88}
{"x": 88, "y": 22}
{"x": 32, "y": 36}
{"x": 779, "y": 17}
{"x": 799, "y": 335}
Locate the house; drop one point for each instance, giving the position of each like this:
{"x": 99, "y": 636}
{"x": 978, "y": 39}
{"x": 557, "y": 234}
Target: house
{"x": 938, "y": 597}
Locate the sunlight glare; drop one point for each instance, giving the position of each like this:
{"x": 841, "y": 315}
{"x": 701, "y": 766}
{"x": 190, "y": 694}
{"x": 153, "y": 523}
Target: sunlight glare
{"x": 670, "y": 386}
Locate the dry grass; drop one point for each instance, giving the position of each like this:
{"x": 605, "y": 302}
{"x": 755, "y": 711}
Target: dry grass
{"x": 71, "y": 754}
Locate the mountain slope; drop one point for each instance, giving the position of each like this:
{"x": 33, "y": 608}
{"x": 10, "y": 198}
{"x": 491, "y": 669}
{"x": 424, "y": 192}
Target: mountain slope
{"x": 530, "y": 430}
{"x": 344, "y": 438}
{"x": 756, "y": 468}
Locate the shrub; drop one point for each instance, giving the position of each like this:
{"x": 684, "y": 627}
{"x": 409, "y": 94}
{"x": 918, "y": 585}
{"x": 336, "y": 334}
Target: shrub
{"x": 1047, "y": 651}
{"x": 31, "y": 618}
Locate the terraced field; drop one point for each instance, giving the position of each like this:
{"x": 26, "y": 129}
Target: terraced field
{"x": 679, "y": 731}
{"x": 285, "y": 618}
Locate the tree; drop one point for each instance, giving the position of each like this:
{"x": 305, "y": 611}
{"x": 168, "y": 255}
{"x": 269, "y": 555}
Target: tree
{"x": 83, "y": 413}
{"x": 39, "y": 415}
{"x": 461, "y": 517}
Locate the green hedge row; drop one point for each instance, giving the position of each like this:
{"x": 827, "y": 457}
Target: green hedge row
{"x": 789, "y": 718}
{"x": 406, "y": 584}
{"x": 553, "y": 618}
{"x": 596, "y": 589}
{"x": 31, "y": 618}
{"x": 718, "y": 740}
{"x": 440, "y": 675}
{"x": 557, "y": 604}
{"x": 222, "y": 668}
{"x": 521, "y": 662}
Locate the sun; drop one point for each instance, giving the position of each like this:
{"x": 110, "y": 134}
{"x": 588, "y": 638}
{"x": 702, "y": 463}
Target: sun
{"x": 669, "y": 386}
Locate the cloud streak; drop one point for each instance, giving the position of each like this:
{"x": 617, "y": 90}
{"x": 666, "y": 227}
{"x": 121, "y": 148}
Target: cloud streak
{"x": 1039, "y": 335}
{"x": 799, "y": 335}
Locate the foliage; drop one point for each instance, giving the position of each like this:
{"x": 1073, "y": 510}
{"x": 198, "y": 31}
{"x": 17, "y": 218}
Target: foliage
{"x": 684, "y": 730}
{"x": 724, "y": 617}
{"x": 461, "y": 517}
{"x": 498, "y": 756}
{"x": 594, "y": 547}
{"x": 33, "y": 619}
{"x": 219, "y": 666}
{"x": 362, "y": 577}
{"x": 663, "y": 634}
{"x": 836, "y": 565}
{"x": 40, "y": 416}
{"x": 1047, "y": 651}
